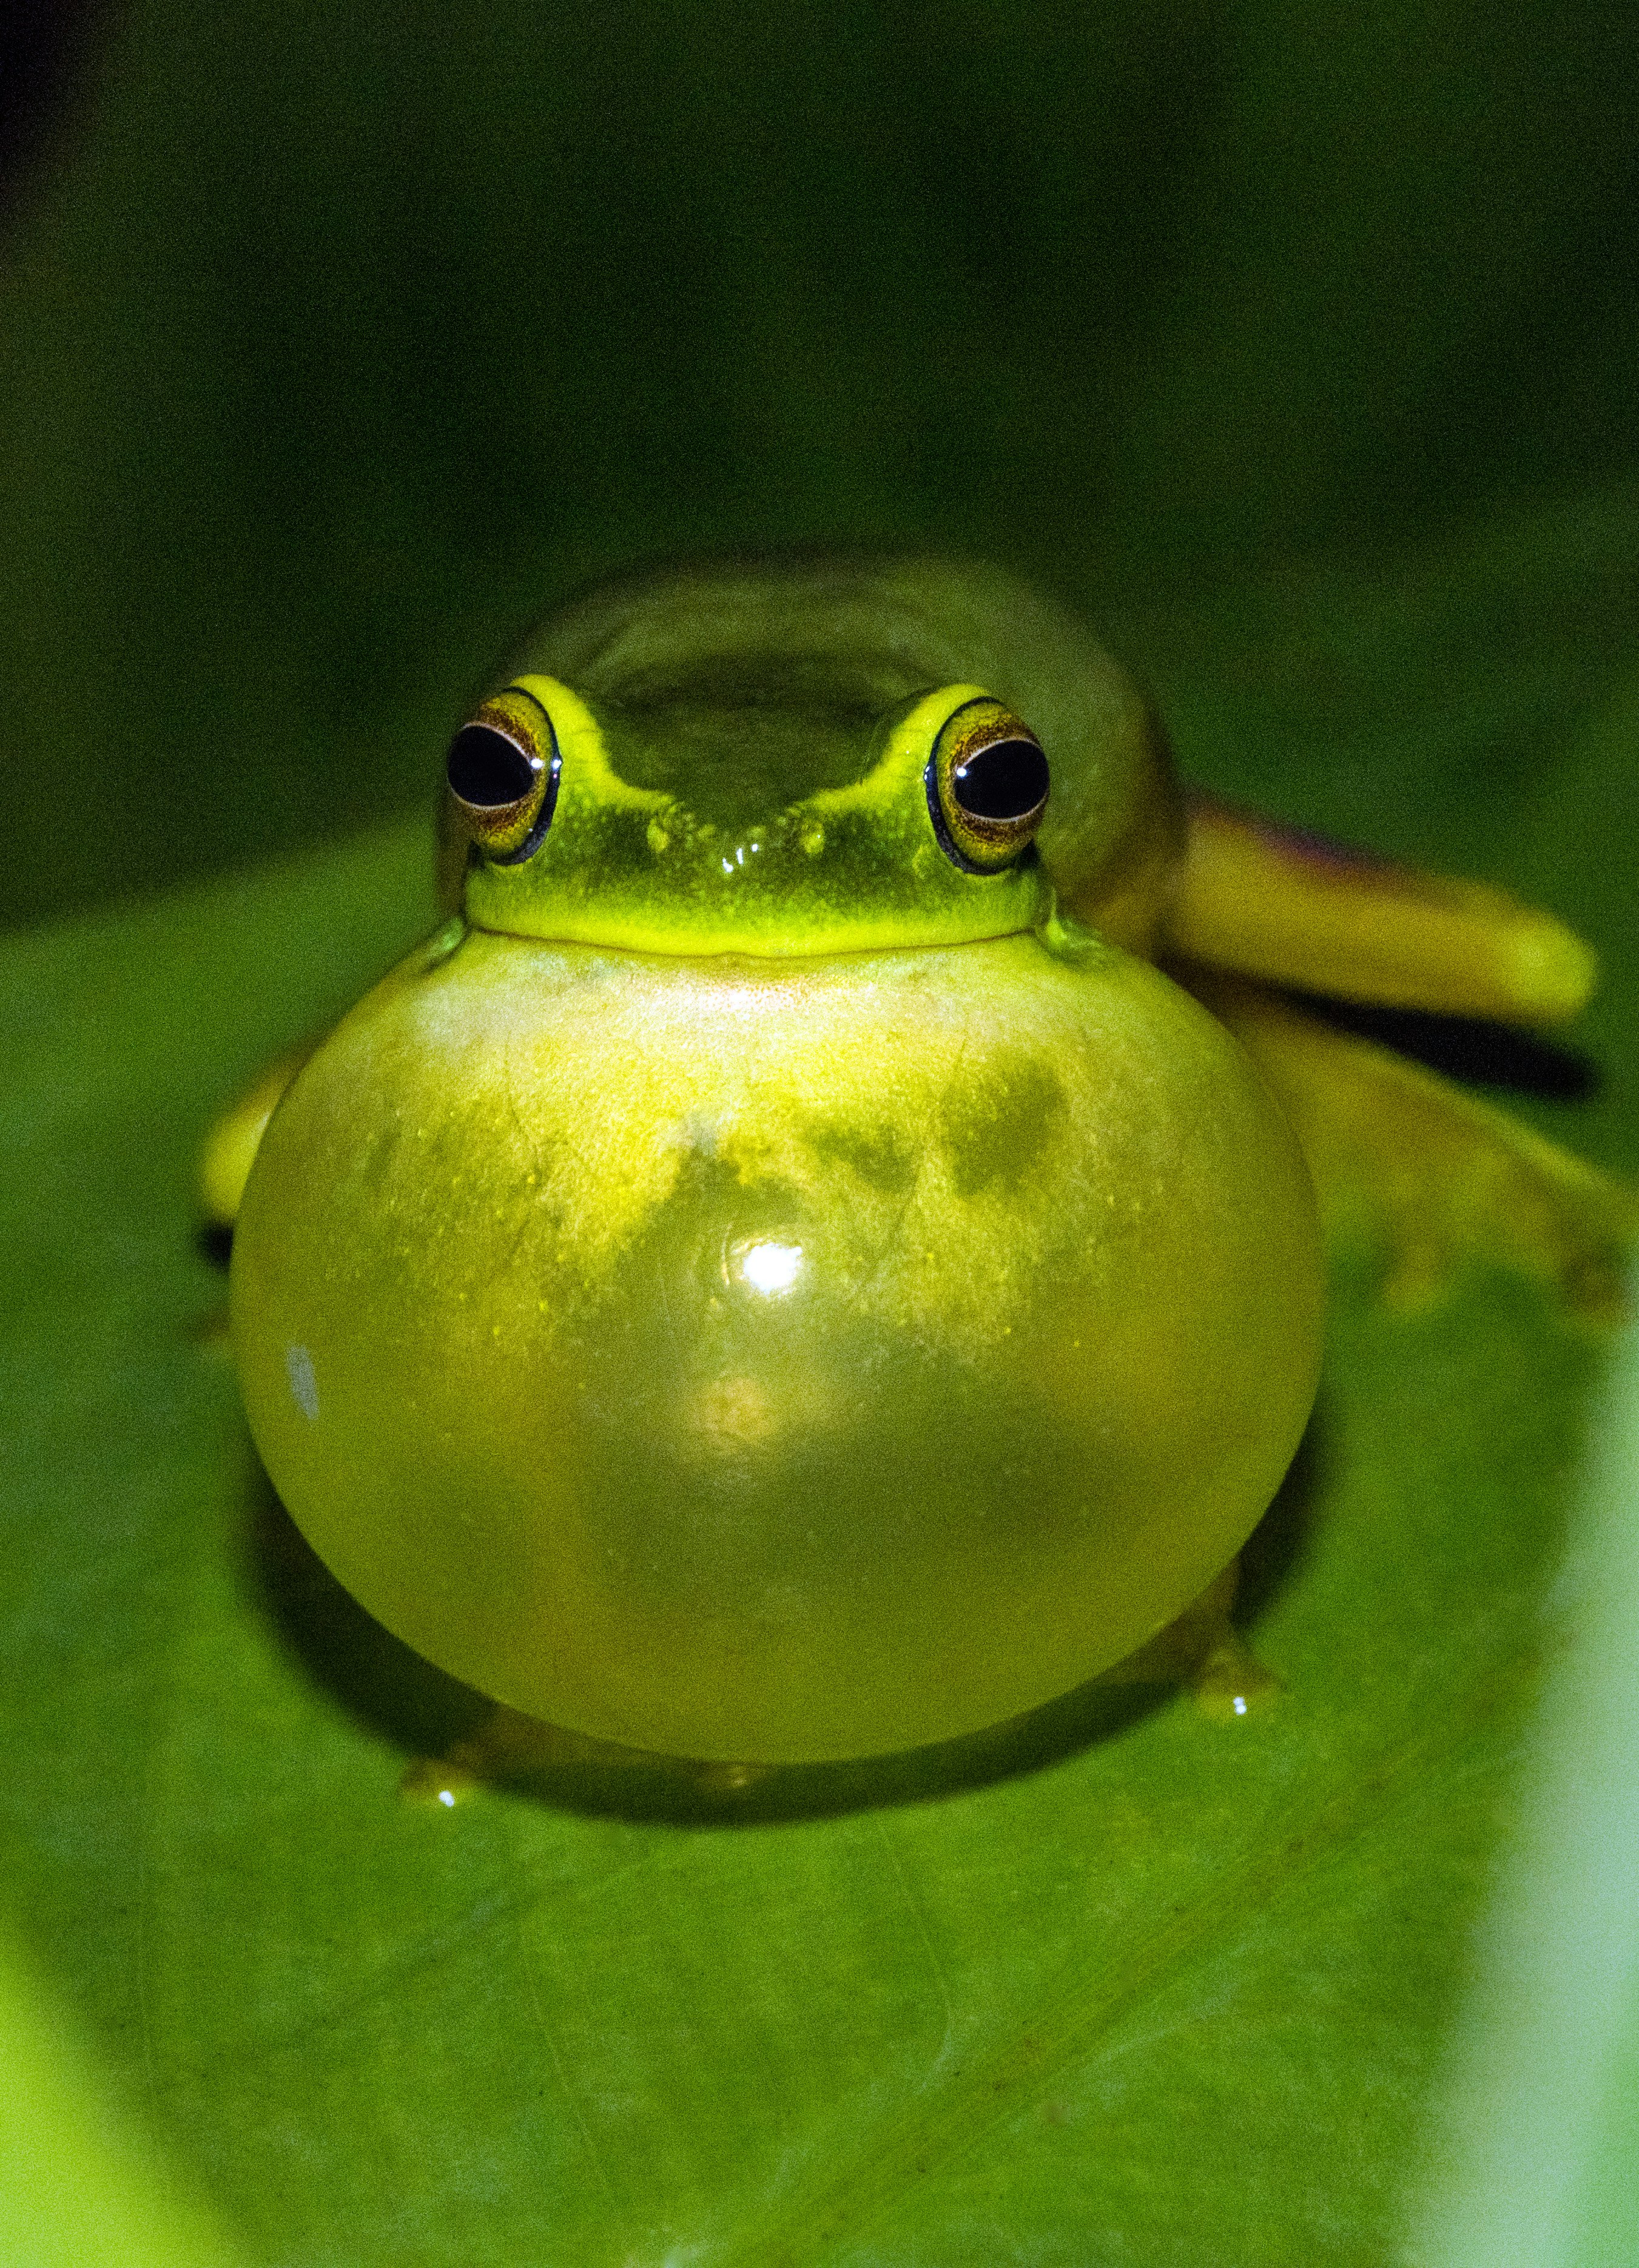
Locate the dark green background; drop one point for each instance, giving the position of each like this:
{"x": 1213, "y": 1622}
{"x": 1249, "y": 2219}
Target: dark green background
{"x": 335, "y": 340}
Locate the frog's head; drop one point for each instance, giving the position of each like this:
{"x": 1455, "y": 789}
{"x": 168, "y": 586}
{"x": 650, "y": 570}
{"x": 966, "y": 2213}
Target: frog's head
{"x": 809, "y": 756}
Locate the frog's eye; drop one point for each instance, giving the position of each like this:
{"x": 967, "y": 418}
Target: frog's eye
{"x": 987, "y": 786}
{"x": 502, "y": 769}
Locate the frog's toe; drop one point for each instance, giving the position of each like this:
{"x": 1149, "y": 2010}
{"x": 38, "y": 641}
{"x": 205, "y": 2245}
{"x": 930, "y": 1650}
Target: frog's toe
{"x": 440, "y": 1782}
{"x": 1203, "y": 1650}
{"x": 506, "y": 1748}
{"x": 1231, "y": 1684}
{"x": 510, "y": 1750}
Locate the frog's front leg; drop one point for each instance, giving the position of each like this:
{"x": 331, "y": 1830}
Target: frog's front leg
{"x": 230, "y": 1147}
{"x": 1202, "y": 1649}
{"x": 508, "y": 1749}
{"x": 1398, "y": 1152}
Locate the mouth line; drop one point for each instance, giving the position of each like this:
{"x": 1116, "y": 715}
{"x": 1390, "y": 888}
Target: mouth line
{"x": 736, "y": 949}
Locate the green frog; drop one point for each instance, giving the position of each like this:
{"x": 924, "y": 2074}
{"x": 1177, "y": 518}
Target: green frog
{"x": 819, "y": 1253}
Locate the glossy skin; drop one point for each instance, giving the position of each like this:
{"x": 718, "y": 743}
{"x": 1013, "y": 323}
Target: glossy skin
{"x": 751, "y": 1287}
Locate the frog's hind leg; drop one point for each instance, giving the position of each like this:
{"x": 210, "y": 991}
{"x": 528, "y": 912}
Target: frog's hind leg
{"x": 1401, "y": 1158}
{"x": 1397, "y": 1153}
{"x": 230, "y": 1148}
{"x": 1293, "y": 910}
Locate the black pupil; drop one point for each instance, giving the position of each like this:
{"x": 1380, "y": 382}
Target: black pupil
{"x": 488, "y": 768}
{"x": 1004, "y": 781}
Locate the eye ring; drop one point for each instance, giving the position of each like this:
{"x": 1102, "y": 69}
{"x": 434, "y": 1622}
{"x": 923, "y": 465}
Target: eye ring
{"x": 988, "y": 785}
{"x": 503, "y": 770}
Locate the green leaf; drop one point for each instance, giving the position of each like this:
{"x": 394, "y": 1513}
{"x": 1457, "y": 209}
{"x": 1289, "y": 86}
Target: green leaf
{"x": 1543, "y": 2117}
{"x": 1122, "y": 1984}
{"x": 75, "y": 2183}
